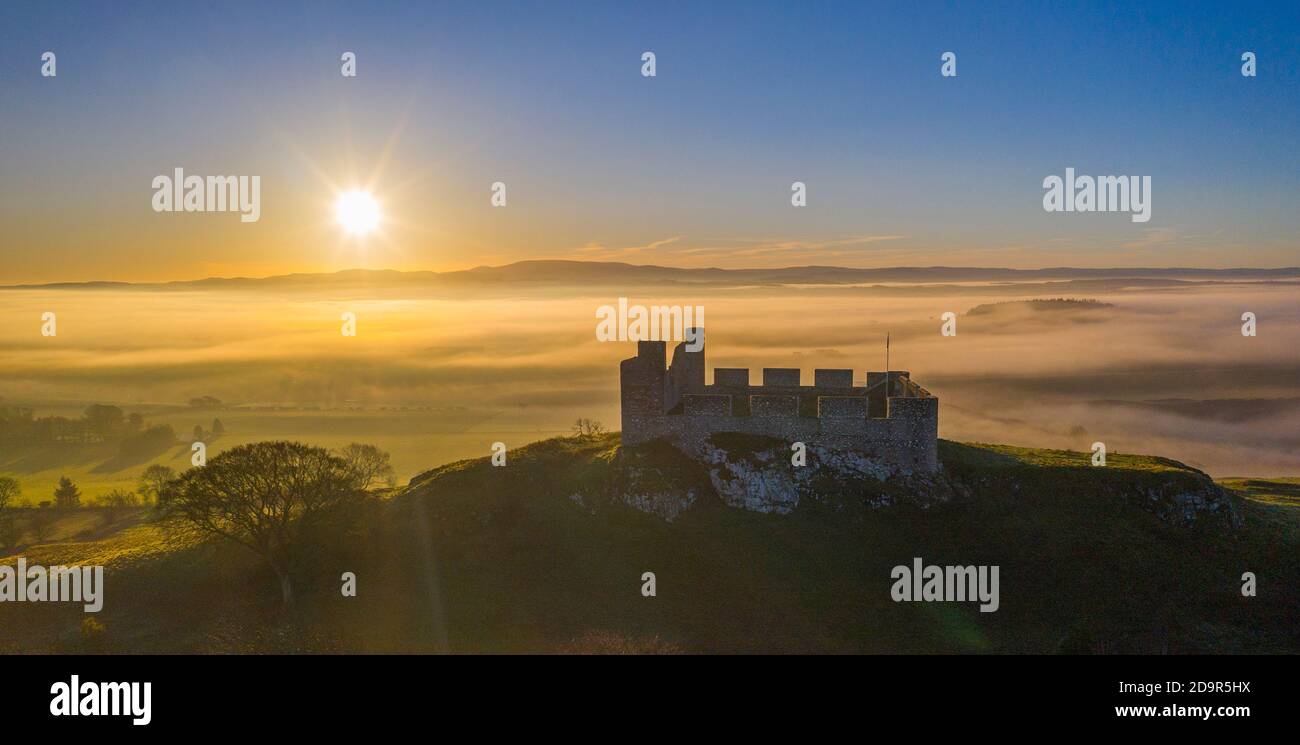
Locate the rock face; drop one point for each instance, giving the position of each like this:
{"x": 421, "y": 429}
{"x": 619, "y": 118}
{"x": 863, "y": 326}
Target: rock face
{"x": 751, "y": 484}
{"x": 766, "y": 481}
{"x": 1186, "y": 504}
{"x": 756, "y": 474}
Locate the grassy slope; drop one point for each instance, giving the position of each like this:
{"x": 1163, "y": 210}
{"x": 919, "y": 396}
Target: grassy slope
{"x": 1080, "y": 568}
{"x": 480, "y": 558}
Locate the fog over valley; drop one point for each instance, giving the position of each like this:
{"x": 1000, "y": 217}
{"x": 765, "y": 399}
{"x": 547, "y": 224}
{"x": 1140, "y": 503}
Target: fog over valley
{"x": 1158, "y": 369}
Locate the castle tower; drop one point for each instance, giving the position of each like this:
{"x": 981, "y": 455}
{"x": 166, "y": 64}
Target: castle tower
{"x": 686, "y": 374}
{"x": 643, "y": 385}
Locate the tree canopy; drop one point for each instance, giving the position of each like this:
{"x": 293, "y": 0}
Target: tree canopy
{"x": 262, "y": 496}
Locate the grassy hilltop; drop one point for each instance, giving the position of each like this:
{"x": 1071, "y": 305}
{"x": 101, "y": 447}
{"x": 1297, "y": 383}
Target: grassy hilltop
{"x": 546, "y": 554}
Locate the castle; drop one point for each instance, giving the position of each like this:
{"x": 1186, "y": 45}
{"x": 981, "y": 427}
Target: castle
{"x": 892, "y": 419}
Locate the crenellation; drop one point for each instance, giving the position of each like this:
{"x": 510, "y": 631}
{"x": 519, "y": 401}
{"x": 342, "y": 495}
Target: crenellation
{"x": 786, "y": 377}
{"x": 731, "y": 376}
{"x": 891, "y": 418}
{"x": 833, "y": 378}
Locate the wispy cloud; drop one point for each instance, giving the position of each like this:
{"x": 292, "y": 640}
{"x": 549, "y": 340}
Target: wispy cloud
{"x": 1152, "y": 237}
{"x": 737, "y": 251}
{"x": 599, "y": 250}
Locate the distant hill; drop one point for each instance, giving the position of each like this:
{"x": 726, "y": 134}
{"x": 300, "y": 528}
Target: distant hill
{"x": 547, "y": 553}
{"x": 561, "y": 273}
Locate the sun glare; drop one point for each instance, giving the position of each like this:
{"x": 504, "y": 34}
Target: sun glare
{"x": 357, "y": 211}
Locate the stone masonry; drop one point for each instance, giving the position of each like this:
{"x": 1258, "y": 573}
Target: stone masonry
{"x": 892, "y": 419}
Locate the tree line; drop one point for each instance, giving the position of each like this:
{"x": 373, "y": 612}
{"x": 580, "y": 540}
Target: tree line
{"x": 99, "y": 423}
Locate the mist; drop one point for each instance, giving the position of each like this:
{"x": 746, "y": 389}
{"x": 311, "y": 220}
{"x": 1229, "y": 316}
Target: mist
{"x": 1160, "y": 370}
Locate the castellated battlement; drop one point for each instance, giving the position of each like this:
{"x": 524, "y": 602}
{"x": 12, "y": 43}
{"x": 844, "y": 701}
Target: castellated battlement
{"x": 891, "y": 418}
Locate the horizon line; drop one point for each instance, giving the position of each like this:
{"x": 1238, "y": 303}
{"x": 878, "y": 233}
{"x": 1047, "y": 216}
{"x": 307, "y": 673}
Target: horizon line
{"x": 685, "y": 270}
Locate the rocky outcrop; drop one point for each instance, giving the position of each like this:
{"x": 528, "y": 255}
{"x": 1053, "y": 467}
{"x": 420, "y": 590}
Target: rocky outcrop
{"x": 1179, "y": 502}
{"x": 756, "y": 474}
{"x": 765, "y": 480}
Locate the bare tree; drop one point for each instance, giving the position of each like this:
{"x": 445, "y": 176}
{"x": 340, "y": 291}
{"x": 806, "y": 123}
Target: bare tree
{"x": 370, "y": 465}
{"x": 588, "y": 428}
{"x": 261, "y": 496}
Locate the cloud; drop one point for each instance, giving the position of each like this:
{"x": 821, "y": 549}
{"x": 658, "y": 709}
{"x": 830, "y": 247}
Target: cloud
{"x": 748, "y": 252}
{"x": 591, "y": 250}
{"x": 1152, "y": 237}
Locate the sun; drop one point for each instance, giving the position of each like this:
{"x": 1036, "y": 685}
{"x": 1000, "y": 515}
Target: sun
{"x": 357, "y": 211}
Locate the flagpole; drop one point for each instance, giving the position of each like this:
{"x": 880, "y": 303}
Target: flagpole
{"x": 886, "y": 371}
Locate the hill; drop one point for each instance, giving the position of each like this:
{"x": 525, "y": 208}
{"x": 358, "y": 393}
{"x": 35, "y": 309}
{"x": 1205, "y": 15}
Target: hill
{"x": 547, "y": 554}
{"x": 567, "y": 273}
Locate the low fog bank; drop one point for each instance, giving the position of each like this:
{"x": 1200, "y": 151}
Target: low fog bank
{"x": 1161, "y": 370}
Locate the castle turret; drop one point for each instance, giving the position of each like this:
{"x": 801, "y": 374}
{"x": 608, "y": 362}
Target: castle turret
{"x": 881, "y": 386}
{"x": 686, "y": 374}
{"x": 643, "y": 385}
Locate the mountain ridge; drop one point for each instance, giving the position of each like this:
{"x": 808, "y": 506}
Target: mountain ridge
{"x": 566, "y": 272}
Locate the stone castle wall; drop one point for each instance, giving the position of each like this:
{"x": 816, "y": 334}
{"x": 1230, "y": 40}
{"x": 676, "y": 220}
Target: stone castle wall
{"x": 898, "y": 426}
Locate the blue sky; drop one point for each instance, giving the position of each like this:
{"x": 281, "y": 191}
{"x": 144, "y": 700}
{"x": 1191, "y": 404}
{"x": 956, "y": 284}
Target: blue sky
{"x": 692, "y": 167}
